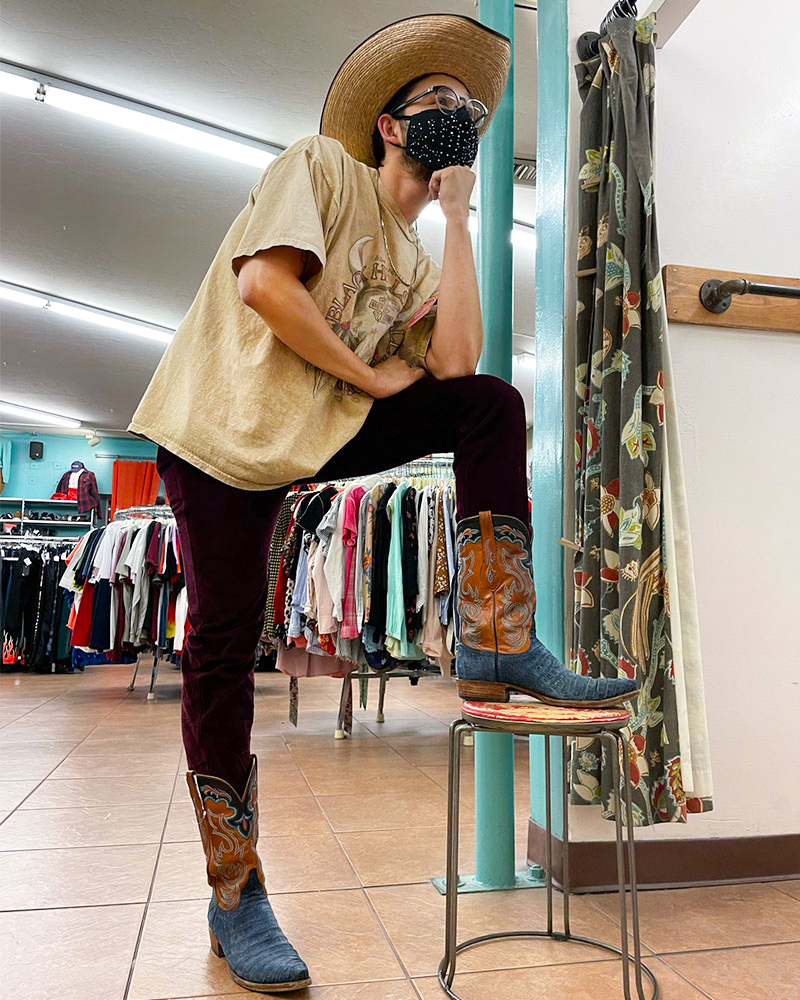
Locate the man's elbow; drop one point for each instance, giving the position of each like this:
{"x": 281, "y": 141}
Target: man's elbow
{"x": 450, "y": 368}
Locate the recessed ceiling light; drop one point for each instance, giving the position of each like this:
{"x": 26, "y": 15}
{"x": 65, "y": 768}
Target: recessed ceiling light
{"x": 85, "y": 313}
{"x": 135, "y": 116}
{"x": 30, "y": 415}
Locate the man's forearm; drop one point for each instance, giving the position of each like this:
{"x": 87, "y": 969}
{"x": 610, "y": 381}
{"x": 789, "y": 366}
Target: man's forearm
{"x": 458, "y": 330}
{"x": 296, "y": 321}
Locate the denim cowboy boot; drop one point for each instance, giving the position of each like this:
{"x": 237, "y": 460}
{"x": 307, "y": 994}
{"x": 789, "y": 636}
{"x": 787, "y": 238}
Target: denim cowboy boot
{"x": 498, "y": 651}
{"x": 241, "y": 924}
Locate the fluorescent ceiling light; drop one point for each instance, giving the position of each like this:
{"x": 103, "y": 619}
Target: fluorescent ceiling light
{"x": 433, "y": 213}
{"x": 29, "y": 415}
{"x": 525, "y": 359}
{"x": 521, "y": 236}
{"x": 136, "y": 117}
{"x": 85, "y": 313}
{"x": 18, "y": 86}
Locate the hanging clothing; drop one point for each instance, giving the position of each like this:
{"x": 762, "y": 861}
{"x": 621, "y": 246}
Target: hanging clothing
{"x": 397, "y": 643}
{"x": 352, "y": 504}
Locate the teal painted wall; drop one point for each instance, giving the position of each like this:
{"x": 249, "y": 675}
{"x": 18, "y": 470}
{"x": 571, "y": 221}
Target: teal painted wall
{"x": 37, "y": 480}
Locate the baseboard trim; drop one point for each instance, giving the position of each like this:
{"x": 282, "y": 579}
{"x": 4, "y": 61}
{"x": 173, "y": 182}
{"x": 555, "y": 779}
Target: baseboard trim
{"x": 672, "y": 863}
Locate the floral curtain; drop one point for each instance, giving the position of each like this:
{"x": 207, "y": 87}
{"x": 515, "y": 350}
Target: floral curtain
{"x": 622, "y": 604}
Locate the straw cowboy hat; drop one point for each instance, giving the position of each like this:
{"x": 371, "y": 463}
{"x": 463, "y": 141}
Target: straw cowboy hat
{"x": 392, "y": 56}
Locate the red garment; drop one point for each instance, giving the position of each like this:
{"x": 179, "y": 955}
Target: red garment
{"x": 133, "y": 483}
{"x": 83, "y": 623}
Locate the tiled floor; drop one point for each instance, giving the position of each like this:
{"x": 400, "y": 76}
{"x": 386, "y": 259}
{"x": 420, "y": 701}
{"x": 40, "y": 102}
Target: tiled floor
{"x": 103, "y": 892}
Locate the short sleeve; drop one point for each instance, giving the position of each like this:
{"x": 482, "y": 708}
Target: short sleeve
{"x": 419, "y": 328}
{"x": 294, "y": 204}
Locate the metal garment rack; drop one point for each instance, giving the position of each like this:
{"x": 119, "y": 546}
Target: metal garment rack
{"x": 146, "y": 512}
{"x": 713, "y": 297}
{"x": 588, "y": 44}
{"x": 716, "y": 295}
{"x": 153, "y": 512}
{"x": 383, "y": 676}
{"x": 29, "y": 541}
{"x": 437, "y": 467}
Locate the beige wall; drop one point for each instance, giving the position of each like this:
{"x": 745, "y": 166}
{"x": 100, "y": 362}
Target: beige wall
{"x": 727, "y": 161}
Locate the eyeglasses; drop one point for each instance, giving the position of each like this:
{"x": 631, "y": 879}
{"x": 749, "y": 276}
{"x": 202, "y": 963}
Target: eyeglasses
{"x": 448, "y": 101}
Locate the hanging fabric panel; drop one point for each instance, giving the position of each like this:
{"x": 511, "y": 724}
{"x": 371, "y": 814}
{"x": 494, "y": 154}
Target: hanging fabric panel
{"x": 634, "y": 604}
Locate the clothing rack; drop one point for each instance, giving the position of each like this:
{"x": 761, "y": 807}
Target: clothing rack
{"x": 440, "y": 466}
{"x": 155, "y": 512}
{"x": 588, "y": 44}
{"x": 343, "y": 729}
{"x": 149, "y": 512}
{"x": 22, "y": 541}
{"x": 57, "y": 548}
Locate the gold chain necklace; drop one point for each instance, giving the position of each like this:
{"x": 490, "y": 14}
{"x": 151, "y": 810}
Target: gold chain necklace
{"x": 389, "y": 253}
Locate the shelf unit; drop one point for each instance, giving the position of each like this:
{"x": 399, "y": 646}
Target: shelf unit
{"x": 24, "y": 503}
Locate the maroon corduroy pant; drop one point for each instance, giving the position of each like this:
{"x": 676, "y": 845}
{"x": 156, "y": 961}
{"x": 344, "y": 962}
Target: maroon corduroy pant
{"x": 225, "y": 534}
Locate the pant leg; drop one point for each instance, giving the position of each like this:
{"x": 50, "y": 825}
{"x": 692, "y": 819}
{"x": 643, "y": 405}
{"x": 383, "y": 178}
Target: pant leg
{"x": 478, "y": 417}
{"x": 224, "y": 534}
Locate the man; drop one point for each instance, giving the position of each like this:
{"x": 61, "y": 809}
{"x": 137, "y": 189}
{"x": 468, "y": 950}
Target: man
{"x": 325, "y": 343}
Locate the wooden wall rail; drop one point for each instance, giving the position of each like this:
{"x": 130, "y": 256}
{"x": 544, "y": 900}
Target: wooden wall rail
{"x": 747, "y": 312}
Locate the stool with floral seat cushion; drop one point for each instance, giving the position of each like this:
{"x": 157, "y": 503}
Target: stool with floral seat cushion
{"x": 532, "y": 718}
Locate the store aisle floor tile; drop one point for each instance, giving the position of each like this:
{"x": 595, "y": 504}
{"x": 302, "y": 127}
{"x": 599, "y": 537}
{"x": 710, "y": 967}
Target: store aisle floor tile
{"x": 99, "y": 842}
{"x": 72, "y": 954}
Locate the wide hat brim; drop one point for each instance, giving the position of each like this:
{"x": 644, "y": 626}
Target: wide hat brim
{"x": 416, "y": 46}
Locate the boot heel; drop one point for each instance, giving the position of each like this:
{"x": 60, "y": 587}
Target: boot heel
{"x": 216, "y": 947}
{"x": 482, "y": 691}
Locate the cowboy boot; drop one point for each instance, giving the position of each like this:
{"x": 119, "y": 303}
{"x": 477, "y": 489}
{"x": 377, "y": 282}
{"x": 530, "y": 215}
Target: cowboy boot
{"x": 498, "y": 651}
{"x": 241, "y": 924}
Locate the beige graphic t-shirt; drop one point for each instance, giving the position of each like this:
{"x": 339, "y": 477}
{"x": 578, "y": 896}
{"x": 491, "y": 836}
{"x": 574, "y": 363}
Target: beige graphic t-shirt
{"x": 228, "y": 396}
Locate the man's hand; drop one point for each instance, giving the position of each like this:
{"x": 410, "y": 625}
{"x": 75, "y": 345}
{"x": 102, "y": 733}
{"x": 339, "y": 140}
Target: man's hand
{"x": 452, "y": 187}
{"x": 392, "y": 376}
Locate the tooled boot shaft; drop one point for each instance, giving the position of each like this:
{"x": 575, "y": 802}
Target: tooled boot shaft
{"x": 229, "y": 831}
{"x": 496, "y": 594}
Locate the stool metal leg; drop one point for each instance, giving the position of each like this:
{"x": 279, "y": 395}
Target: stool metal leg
{"x": 610, "y": 740}
{"x": 152, "y": 692}
{"x": 381, "y": 698}
{"x": 565, "y": 841}
{"x": 135, "y": 672}
{"x": 548, "y": 848}
{"x": 451, "y": 889}
{"x": 346, "y": 687}
{"x": 637, "y": 946}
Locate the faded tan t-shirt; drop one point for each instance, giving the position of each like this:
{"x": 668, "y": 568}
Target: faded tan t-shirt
{"x": 228, "y": 396}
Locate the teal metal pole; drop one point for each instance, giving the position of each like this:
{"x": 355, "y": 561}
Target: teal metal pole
{"x": 548, "y": 403}
{"x": 496, "y": 214}
{"x": 494, "y": 752}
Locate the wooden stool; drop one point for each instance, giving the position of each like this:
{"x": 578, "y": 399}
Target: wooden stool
{"x": 536, "y": 719}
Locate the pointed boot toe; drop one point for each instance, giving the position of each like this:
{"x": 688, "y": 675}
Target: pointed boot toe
{"x": 242, "y": 926}
{"x": 498, "y": 651}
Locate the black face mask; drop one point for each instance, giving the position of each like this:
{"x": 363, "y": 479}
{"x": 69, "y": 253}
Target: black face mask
{"x": 440, "y": 140}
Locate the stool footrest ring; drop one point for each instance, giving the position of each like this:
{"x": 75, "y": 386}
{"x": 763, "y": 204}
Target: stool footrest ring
{"x": 554, "y": 936}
